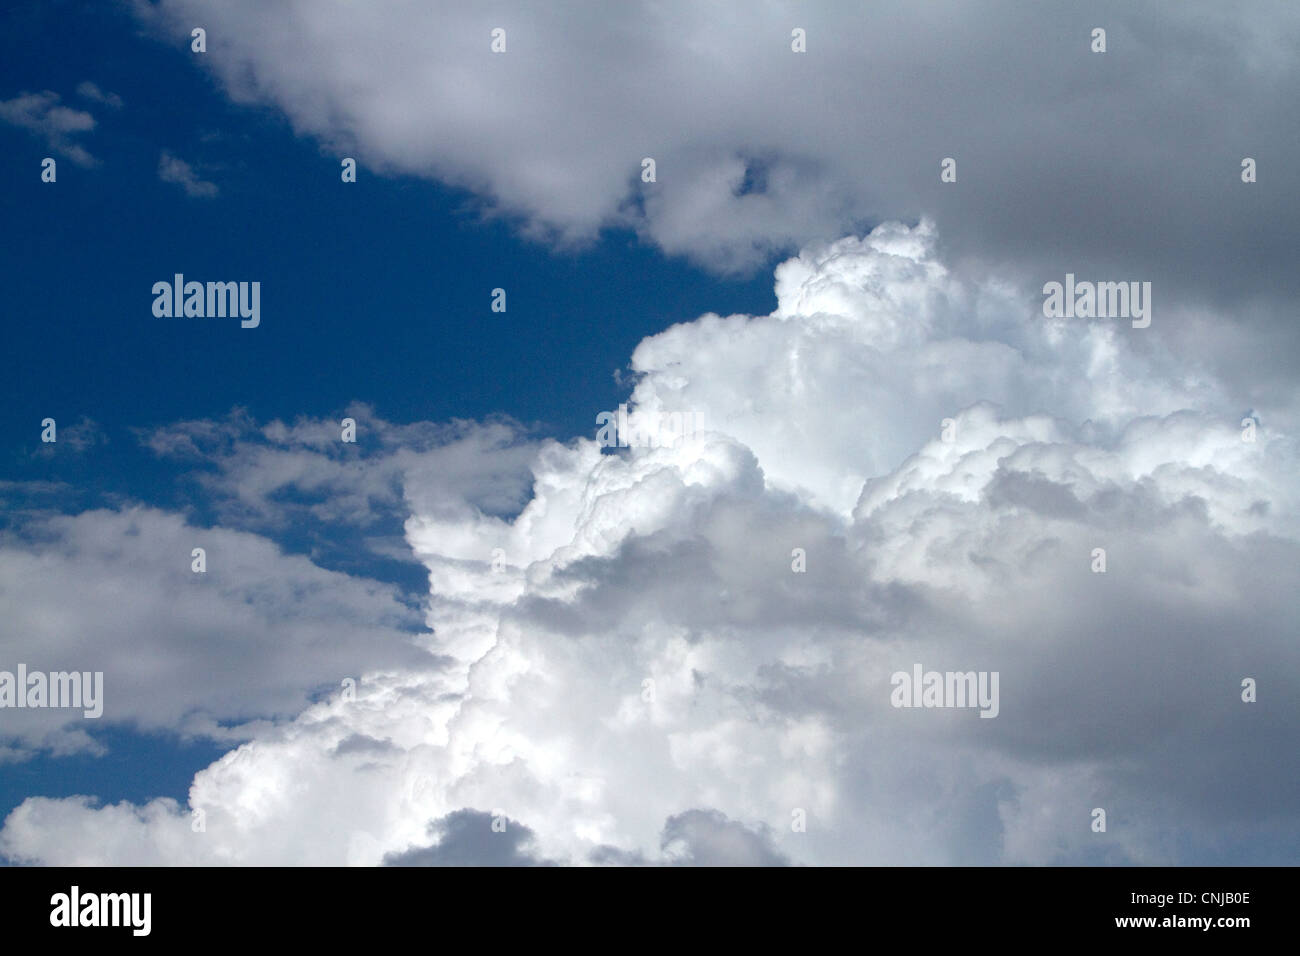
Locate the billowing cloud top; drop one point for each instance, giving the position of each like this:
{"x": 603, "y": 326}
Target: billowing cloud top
{"x": 684, "y": 653}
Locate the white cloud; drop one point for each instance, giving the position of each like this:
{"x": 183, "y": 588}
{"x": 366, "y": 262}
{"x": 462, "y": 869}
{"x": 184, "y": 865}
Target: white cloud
{"x": 771, "y": 688}
{"x": 173, "y": 169}
{"x": 252, "y": 637}
{"x": 91, "y": 91}
{"x": 41, "y": 114}
{"x": 270, "y": 476}
{"x": 851, "y": 131}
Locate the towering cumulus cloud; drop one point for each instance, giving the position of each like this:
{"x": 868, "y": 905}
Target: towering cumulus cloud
{"x": 683, "y": 654}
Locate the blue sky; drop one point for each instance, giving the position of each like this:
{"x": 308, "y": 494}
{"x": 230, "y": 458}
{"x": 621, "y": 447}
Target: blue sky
{"x": 380, "y": 290}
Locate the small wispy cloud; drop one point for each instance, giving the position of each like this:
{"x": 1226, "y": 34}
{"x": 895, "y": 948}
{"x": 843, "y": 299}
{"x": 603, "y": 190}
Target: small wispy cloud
{"x": 78, "y": 438}
{"x": 41, "y": 114}
{"x": 173, "y": 169}
{"x": 90, "y": 91}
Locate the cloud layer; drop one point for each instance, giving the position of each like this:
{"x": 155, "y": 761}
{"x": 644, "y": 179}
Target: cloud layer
{"x": 1064, "y": 156}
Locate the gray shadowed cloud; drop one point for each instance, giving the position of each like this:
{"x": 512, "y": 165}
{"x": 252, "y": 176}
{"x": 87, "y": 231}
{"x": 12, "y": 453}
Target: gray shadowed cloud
{"x": 466, "y": 838}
